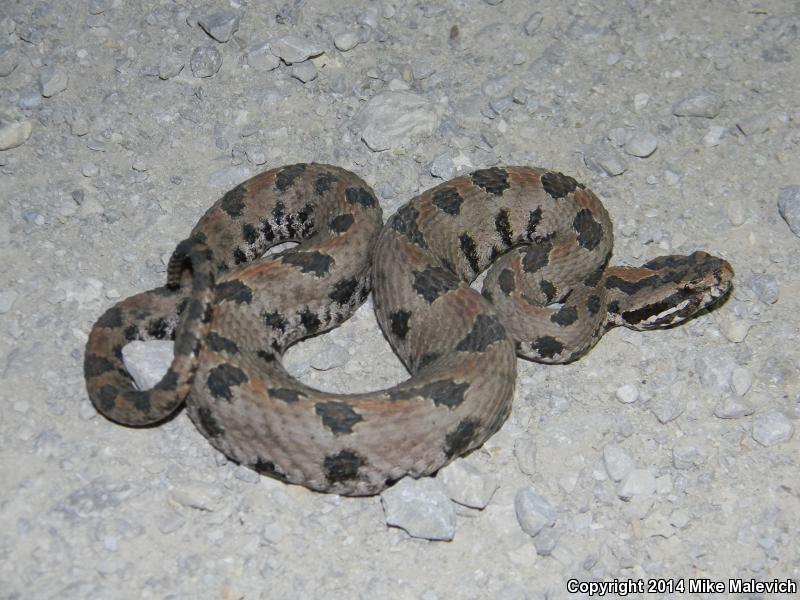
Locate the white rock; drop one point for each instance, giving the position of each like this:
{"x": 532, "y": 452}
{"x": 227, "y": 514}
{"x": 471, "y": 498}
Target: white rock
{"x": 196, "y": 494}
{"x": 262, "y": 58}
{"x": 347, "y": 40}
{"x": 147, "y": 362}
{"x": 714, "y": 136}
{"x": 534, "y": 513}
{"x": 789, "y": 207}
{"x": 392, "y": 119}
{"x": 293, "y": 49}
{"x": 639, "y": 482}
{"x": 618, "y": 462}
{"x": 772, "y": 427}
{"x": 421, "y": 508}
{"x": 628, "y": 393}
{"x": 733, "y": 408}
{"x": 304, "y": 71}
{"x": 228, "y": 177}
{"x": 7, "y": 299}
{"x": 14, "y": 133}
{"x": 641, "y": 143}
{"x": 220, "y": 25}
{"x": 699, "y": 103}
{"x": 9, "y": 59}
{"x": 467, "y": 484}
{"x": 52, "y": 80}
{"x": 741, "y": 380}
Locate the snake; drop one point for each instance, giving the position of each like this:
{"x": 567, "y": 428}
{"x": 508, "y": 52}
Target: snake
{"x": 543, "y": 240}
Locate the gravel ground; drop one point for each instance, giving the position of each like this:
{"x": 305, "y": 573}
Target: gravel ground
{"x": 659, "y": 457}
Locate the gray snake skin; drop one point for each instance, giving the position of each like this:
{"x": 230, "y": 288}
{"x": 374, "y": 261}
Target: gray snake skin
{"x": 549, "y": 295}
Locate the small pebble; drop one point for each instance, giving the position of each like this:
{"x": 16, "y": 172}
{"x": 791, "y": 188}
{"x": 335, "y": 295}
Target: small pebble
{"x": 533, "y": 23}
{"x": 639, "y": 482}
{"x": 170, "y": 65}
{"x": 9, "y": 59}
{"x": 666, "y": 409}
{"x": 733, "y": 408}
{"x": 534, "y": 513}
{"x": 261, "y": 57}
{"x": 628, "y": 393}
{"x": 735, "y": 330}
{"x": 618, "y": 463}
{"x": 7, "y": 299}
{"x": 641, "y": 143}
{"x": 256, "y": 154}
{"x": 467, "y": 484}
{"x": 97, "y": 7}
{"x": 772, "y": 427}
{"x": 640, "y": 101}
{"x": 147, "y": 362}
{"x": 604, "y": 159}
{"x": 618, "y": 136}
{"x": 741, "y": 380}
{"x": 205, "y": 61}
{"x": 392, "y": 119}
{"x": 79, "y": 126}
{"x": 422, "y": 69}
{"x": 699, "y": 103}
{"x": 765, "y": 287}
{"x": 421, "y": 508}
{"x": 29, "y": 100}
{"x": 714, "y": 136}
{"x": 789, "y": 207}
{"x": 199, "y": 495}
{"x": 443, "y": 167}
{"x": 753, "y": 125}
{"x": 546, "y": 542}
{"x": 735, "y": 212}
{"x": 14, "y": 133}
{"x": 52, "y": 80}
{"x": 139, "y": 164}
{"x": 220, "y": 25}
{"x": 304, "y": 71}
{"x": 293, "y": 49}
{"x": 347, "y": 40}
{"x": 89, "y": 169}
{"x": 686, "y": 455}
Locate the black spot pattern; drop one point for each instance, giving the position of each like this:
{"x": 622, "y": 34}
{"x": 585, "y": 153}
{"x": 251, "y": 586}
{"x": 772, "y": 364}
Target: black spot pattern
{"x": 536, "y": 257}
{"x": 111, "y": 318}
{"x": 233, "y": 202}
{"x": 427, "y": 359}
{"x": 470, "y": 251}
{"x": 493, "y": 181}
{"x": 186, "y": 344}
{"x": 404, "y": 221}
{"x": 590, "y": 232}
{"x": 234, "y": 290}
{"x": 94, "y": 365}
{"x": 342, "y": 467}
{"x": 503, "y": 226}
{"x": 208, "y": 423}
{"x": 360, "y": 195}
{"x": 434, "y": 282}
{"x": 107, "y": 396}
{"x": 631, "y": 287}
{"x": 566, "y": 316}
{"x": 274, "y": 320}
{"x": 506, "y": 281}
{"x": 344, "y": 291}
{"x": 218, "y": 343}
{"x": 310, "y": 321}
{"x": 443, "y": 393}
{"x": 314, "y": 262}
{"x": 448, "y": 200}
{"x": 533, "y": 222}
{"x": 337, "y": 416}
{"x": 593, "y": 304}
{"x": 323, "y": 183}
{"x": 267, "y": 467}
{"x": 399, "y": 320}
{"x": 158, "y": 329}
{"x": 288, "y": 395}
{"x": 285, "y": 179}
{"x": 341, "y": 223}
{"x": 278, "y": 212}
{"x": 222, "y": 378}
{"x": 547, "y": 346}
{"x": 461, "y": 438}
{"x": 486, "y": 330}
{"x": 548, "y": 289}
{"x": 558, "y": 185}
{"x": 168, "y": 381}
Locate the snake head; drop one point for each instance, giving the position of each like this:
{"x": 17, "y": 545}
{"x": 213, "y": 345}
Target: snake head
{"x": 666, "y": 290}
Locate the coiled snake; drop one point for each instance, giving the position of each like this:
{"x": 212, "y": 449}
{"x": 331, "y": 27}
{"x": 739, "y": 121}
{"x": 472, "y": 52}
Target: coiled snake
{"x": 549, "y": 295}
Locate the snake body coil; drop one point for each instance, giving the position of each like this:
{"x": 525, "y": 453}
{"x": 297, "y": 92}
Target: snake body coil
{"x": 549, "y": 295}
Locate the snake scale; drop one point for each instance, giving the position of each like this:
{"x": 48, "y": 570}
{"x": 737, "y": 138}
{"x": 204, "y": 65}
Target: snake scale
{"x": 549, "y": 295}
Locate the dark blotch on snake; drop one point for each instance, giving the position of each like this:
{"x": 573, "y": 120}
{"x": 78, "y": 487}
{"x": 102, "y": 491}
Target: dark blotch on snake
{"x": 399, "y": 323}
{"x": 159, "y": 329}
{"x": 506, "y": 281}
{"x": 234, "y": 290}
{"x": 533, "y": 222}
{"x": 433, "y": 282}
{"x": 107, "y": 396}
{"x": 448, "y": 200}
{"x": 470, "y": 251}
{"x": 548, "y": 289}
{"x": 503, "y": 226}
{"x": 404, "y": 222}
{"x": 360, "y": 195}
{"x": 285, "y": 179}
{"x": 344, "y": 291}
{"x": 536, "y": 257}
{"x": 547, "y": 346}
{"x": 274, "y": 320}
{"x": 310, "y": 321}
{"x": 590, "y": 232}
{"x": 443, "y": 393}
{"x": 342, "y": 467}
{"x": 250, "y": 233}
{"x": 593, "y": 304}
{"x": 222, "y": 378}
{"x": 314, "y": 262}
{"x": 267, "y": 467}
{"x": 94, "y": 365}
{"x": 111, "y": 318}
{"x": 337, "y": 416}
{"x": 169, "y": 382}
{"x": 341, "y": 223}
{"x": 323, "y": 183}
{"x": 558, "y": 185}
{"x": 208, "y": 422}
{"x": 461, "y": 438}
{"x": 566, "y": 316}
{"x": 631, "y": 287}
{"x": 486, "y": 330}
{"x": 233, "y": 202}
{"x": 493, "y": 181}
{"x": 218, "y": 343}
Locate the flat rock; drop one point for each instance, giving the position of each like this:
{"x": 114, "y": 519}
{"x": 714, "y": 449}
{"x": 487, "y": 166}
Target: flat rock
{"x": 14, "y": 133}
{"x": 262, "y": 58}
{"x": 220, "y": 25}
{"x": 772, "y": 427}
{"x": 534, "y": 513}
{"x": 421, "y": 508}
{"x": 392, "y": 119}
{"x": 205, "y": 61}
{"x": 9, "y": 59}
{"x": 699, "y": 103}
{"x": 789, "y": 207}
{"x": 467, "y": 484}
{"x": 52, "y": 80}
{"x": 147, "y": 362}
{"x": 292, "y": 49}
